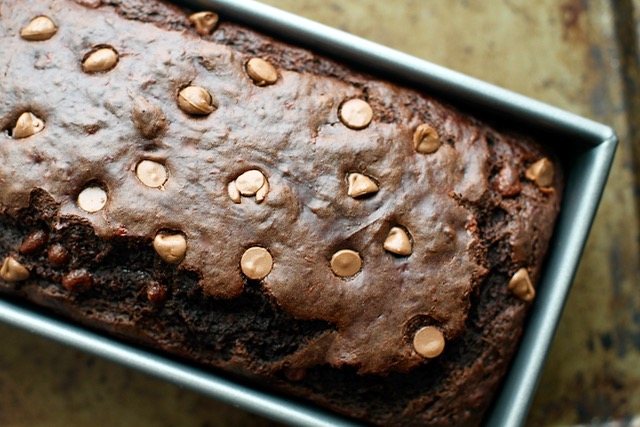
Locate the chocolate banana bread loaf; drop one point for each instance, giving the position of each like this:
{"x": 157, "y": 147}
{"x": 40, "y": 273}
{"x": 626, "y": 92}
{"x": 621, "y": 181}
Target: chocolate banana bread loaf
{"x": 199, "y": 188}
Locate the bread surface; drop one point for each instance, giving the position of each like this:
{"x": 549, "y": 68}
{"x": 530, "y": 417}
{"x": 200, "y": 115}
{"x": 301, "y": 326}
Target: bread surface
{"x": 255, "y": 207}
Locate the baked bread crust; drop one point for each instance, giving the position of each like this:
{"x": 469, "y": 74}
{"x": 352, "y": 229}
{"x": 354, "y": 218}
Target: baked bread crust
{"x": 439, "y": 210}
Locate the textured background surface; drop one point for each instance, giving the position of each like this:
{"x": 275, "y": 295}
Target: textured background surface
{"x": 580, "y": 55}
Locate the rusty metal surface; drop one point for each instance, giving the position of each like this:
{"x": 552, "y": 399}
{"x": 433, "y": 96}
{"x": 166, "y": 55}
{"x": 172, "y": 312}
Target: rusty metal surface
{"x": 580, "y": 55}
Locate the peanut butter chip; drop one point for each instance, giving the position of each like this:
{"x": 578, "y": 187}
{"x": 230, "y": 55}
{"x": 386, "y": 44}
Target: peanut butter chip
{"x": 205, "y": 22}
{"x": 261, "y": 72}
{"x": 541, "y": 172}
{"x": 152, "y": 174}
{"x": 39, "y": 29}
{"x": 429, "y": 342}
{"x": 250, "y": 182}
{"x": 426, "y": 139}
{"x": 345, "y": 263}
{"x": 196, "y": 100}
{"x": 256, "y": 263}
{"x": 360, "y": 185}
{"x": 521, "y": 286}
{"x": 262, "y": 192}
{"x": 92, "y": 199}
{"x": 398, "y": 242}
{"x": 27, "y": 125}
{"x": 234, "y": 194}
{"x": 170, "y": 247}
{"x": 13, "y": 271}
{"x": 356, "y": 114}
{"x": 100, "y": 60}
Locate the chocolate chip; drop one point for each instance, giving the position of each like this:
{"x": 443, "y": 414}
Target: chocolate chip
{"x": 157, "y": 293}
{"x": 58, "y": 255}
{"x": 35, "y": 241}
{"x": 508, "y": 181}
{"x": 294, "y": 374}
{"x": 77, "y": 280}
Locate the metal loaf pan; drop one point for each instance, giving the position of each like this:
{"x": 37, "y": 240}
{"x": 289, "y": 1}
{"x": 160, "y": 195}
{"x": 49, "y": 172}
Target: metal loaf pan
{"x": 586, "y": 147}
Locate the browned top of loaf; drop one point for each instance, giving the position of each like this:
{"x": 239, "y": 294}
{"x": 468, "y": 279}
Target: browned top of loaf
{"x": 291, "y": 131}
